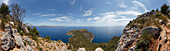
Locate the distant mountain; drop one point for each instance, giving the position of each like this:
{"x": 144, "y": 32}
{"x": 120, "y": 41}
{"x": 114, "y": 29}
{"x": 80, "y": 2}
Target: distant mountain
{"x": 49, "y": 26}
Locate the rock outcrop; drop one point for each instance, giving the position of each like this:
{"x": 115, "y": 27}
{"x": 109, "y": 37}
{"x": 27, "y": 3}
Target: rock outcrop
{"x": 133, "y": 32}
{"x": 99, "y": 49}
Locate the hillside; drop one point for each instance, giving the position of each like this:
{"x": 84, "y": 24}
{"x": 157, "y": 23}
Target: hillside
{"x": 82, "y": 39}
{"x": 148, "y": 32}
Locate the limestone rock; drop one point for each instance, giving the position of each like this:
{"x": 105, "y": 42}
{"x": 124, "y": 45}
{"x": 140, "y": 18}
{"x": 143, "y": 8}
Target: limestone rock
{"x": 27, "y": 39}
{"x": 150, "y": 29}
{"x": 18, "y": 39}
{"x": 29, "y": 48}
{"x": 7, "y": 41}
{"x": 132, "y": 48}
{"x": 81, "y": 49}
{"x": 99, "y": 49}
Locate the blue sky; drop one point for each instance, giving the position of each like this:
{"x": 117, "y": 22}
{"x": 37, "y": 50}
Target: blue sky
{"x": 84, "y": 12}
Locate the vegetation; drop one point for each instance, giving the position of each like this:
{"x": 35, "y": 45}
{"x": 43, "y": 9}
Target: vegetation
{"x": 157, "y": 10}
{"x": 4, "y": 10}
{"x": 78, "y": 39}
{"x": 144, "y": 41}
{"x": 47, "y": 37}
{"x": 18, "y": 14}
{"x": 164, "y": 9}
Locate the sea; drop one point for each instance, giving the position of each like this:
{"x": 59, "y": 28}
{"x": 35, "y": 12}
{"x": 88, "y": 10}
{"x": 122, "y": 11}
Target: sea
{"x": 101, "y": 33}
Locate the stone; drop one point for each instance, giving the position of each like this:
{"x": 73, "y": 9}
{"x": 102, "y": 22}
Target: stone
{"x": 150, "y": 29}
{"x": 99, "y": 49}
{"x": 26, "y": 30}
{"x": 81, "y": 49}
{"x": 18, "y": 40}
{"x": 7, "y": 41}
{"x": 12, "y": 23}
{"x": 132, "y": 48}
{"x": 27, "y": 39}
{"x": 29, "y": 48}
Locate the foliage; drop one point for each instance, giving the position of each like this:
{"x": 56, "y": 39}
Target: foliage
{"x": 18, "y": 13}
{"x": 164, "y": 9}
{"x": 40, "y": 49}
{"x": 34, "y": 38}
{"x": 79, "y": 40}
{"x": 152, "y": 10}
{"x": 144, "y": 41}
{"x": 47, "y": 37}
{"x": 157, "y": 10}
{"x": 161, "y": 17}
{"x": 4, "y": 9}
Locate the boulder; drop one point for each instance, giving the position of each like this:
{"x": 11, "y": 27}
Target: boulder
{"x": 28, "y": 40}
{"x": 26, "y": 30}
{"x": 132, "y": 48}
{"x": 12, "y": 23}
{"x": 99, "y": 49}
{"x": 163, "y": 36}
{"x": 81, "y": 49}
{"x": 29, "y": 48}
{"x": 151, "y": 29}
{"x": 7, "y": 41}
{"x": 18, "y": 40}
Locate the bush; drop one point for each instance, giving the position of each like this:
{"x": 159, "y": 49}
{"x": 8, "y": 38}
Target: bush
{"x": 47, "y": 37}
{"x": 40, "y": 49}
{"x": 34, "y": 38}
{"x": 164, "y": 9}
{"x": 144, "y": 41}
{"x": 162, "y": 18}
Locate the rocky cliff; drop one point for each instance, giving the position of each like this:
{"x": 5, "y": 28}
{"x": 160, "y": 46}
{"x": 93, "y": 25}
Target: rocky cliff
{"x": 12, "y": 40}
{"x": 149, "y": 31}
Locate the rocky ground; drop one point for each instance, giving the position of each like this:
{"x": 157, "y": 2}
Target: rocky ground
{"x": 133, "y": 34}
{"x": 11, "y": 40}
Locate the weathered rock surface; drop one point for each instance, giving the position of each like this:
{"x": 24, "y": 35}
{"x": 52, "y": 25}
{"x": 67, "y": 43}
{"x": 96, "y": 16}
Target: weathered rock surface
{"x": 7, "y": 41}
{"x": 99, "y": 49}
{"x": 81, "y": 49}
{"x": 18, "y": 39}
{"x": 27, "y": 39}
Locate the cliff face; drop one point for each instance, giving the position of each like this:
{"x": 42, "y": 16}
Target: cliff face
{"x": 12, "y": 40}
{"x": 149, "y": 31}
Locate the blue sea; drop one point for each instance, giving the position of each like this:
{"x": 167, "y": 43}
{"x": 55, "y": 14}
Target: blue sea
{"x": 101, "y": 33}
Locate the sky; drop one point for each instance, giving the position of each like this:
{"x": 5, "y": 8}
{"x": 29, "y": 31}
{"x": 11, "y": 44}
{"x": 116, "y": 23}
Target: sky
{"x": 84, "y": 12}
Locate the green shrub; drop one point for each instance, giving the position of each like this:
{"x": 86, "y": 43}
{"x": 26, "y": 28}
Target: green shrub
{"x": 164, "y": 9}
{"x": 47, "y": 37}
{"x": 34, "y": 38}
{"x": 40, "y": 49}
{"x": 162, "y": 18}
{"x": 144, "y": 41}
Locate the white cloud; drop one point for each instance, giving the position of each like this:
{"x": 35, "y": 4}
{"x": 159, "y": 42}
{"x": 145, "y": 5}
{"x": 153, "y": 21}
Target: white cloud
{"x": 73, "y": 2}
{"x": 52, "y": 9}
{"x": 88, "y": 12}
{"x": 108, "y": 2}
{"x": 140, "y": 4}
{"x": 96, "y": 18}
{"x": 5, "y": 1}
{"x": 111, "y": 17}
{"x": 129, "y": 12}
{"x": 79, "y": 20}
{"x": 43, "y": 15}
{"x": 122, "y": 5}
{"x": 89, "y": 19}
{"x": 36, "y": 14}
{"x": 59, "y": 19}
